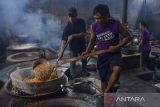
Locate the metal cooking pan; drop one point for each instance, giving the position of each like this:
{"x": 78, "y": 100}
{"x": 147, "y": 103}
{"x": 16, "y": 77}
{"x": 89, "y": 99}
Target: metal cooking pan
{"x": 41, "y": 87}
{"x": 35, "y": 88}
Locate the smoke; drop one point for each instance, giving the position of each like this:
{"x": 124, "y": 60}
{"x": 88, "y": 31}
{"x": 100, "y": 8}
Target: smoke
{"x": 32, "y": 26}
{"x": 134, "y": 12}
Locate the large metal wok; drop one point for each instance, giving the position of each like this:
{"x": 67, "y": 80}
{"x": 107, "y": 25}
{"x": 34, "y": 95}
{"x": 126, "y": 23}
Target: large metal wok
{"x": 40, "y": 88}
{"x": 35, "y": 88}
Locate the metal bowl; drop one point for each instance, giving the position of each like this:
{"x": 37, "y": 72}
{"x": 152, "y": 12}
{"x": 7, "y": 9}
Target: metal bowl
{"x": 35, "y": 88}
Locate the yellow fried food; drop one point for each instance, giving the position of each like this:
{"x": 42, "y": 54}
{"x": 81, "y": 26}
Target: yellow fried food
{"x": 32, "y": 80}
{"x": 36, "y": 80}
{"x": 43, "y": 71}
{"x": 53, "y": 75}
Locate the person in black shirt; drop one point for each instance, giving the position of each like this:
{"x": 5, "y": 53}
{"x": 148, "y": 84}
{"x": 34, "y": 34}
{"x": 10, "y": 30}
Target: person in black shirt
{"x": 74, "y": 34}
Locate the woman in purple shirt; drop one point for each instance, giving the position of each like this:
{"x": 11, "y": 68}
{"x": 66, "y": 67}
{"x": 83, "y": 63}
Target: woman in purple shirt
{"x": 105, "y": 33}
{"x": 144, "y": 45}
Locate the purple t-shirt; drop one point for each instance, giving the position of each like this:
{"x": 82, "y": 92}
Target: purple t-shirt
{"x": 106, "y": 36}
{"x": 145, "y": 47}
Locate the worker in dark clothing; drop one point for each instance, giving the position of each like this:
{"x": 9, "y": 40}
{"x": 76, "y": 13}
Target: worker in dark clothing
{"x": 105, "y": 33}
{"x": 74, "y": 34}
{"x": 144, "y": 44}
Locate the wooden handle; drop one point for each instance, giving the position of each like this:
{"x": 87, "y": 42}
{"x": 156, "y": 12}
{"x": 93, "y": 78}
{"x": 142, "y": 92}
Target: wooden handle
{"x": 63, "y": 61}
